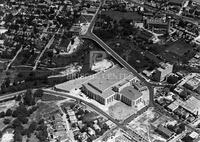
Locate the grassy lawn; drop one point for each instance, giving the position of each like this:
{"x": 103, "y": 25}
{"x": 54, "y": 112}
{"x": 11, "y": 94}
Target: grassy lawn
{"x": 48, "y": 97}
{"x": 179, "y": 48}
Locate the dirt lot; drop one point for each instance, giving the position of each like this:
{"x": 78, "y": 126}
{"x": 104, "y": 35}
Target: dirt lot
{"x": 121, "y": 111}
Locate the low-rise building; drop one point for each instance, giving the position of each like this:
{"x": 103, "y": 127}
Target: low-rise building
{"x": 166, "y": 133}
{"x": 192, "y": 83}
{"x": 157, "y": 25}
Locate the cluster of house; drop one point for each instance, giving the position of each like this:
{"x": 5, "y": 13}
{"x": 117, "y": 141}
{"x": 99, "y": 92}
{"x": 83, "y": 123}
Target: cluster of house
{"x": 89, "y": 8}
{"x": 78, "y": 126}
{"x": 116, "y": 84}
{"x": 56, "y": 127}
{"x": 28, "y": 24}
{"x": 195, "y": 61}
{"x": 171, "y": 128}
{"x": 187, "y": 105}
{"x": 192, "y": 10}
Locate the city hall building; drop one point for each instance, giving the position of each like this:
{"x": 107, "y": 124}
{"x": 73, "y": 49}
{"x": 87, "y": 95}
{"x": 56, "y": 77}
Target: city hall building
{"x": 114, "y": 84}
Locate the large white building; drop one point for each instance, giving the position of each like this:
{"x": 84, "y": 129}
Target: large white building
{"x": 114, "y": 84}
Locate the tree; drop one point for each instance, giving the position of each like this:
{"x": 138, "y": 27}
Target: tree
{"x": 24, "y": 120}
{"x": 17, "y": 136}
{"x": 16, "y": 123}
{"x": 28, "y": 98}
{"x": 2, "y": 114}
{"x": 32, "y": 127}
{"x": 18, "y": 98}
{"x": 8, "y": 112}
{"x": 21, "y": 110}
{"x": 38, "y": 93}
{"x": 7, "y": 82}
{"x": 32, "y": 109}
{"x": 1, "y": 134}
{"x": 6, "y": 121}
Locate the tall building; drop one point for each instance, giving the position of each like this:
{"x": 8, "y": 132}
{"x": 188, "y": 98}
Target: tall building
{"x": 161, "y": 72}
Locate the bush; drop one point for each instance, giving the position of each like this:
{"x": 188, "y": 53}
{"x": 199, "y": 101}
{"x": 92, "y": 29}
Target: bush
{"x": 17, "y": 136}
{"x": 20, "y": 111}
{"x": 6, "y": 121}
{"x": 38, "y": 93}
{"x": 8, "y": 112}
{"x": 32, "y": 127}
{"x": 2, "y": 114}
{"x": 23, "y": 120}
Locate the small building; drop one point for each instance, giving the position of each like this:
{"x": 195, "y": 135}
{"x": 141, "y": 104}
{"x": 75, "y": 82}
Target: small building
{"x": 139, "y": 86}
{"x": 91, "y": 10}
{"x": 173, "y": 106}
{"x": 194, "y": 135}
{"x": 179, "y": 90}
{"x": 166, "y": 133}
{"x": 192, "y": 83}
{"x": 91, "y": 131}
{"x": 157, "y": 25}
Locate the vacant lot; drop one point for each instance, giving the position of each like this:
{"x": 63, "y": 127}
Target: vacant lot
{"x": 142, "y": 125}
{"x": 121, "y": 111}
{"x": 179, "y": 48}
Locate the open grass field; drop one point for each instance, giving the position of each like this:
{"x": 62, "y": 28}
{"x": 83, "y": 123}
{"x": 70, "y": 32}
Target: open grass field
{"x": 179, "y": 48}
{"x": 48, "y": 97}
{"x": 173, "y": 51}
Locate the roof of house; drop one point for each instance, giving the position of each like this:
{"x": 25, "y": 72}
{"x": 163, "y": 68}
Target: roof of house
{"x": 131, "y": 93}
{"x": 165, "y": 131}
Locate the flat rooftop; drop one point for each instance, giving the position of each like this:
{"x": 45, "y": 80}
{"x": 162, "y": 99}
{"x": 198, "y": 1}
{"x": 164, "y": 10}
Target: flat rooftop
{"x": 131, "y": 93}
{"x": 107, "y": 79}
{"x": 102, "y": 83}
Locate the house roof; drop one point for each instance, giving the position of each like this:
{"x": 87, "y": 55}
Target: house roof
{"x": 165, "y": 131}
{"x": 131, "y": 93}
